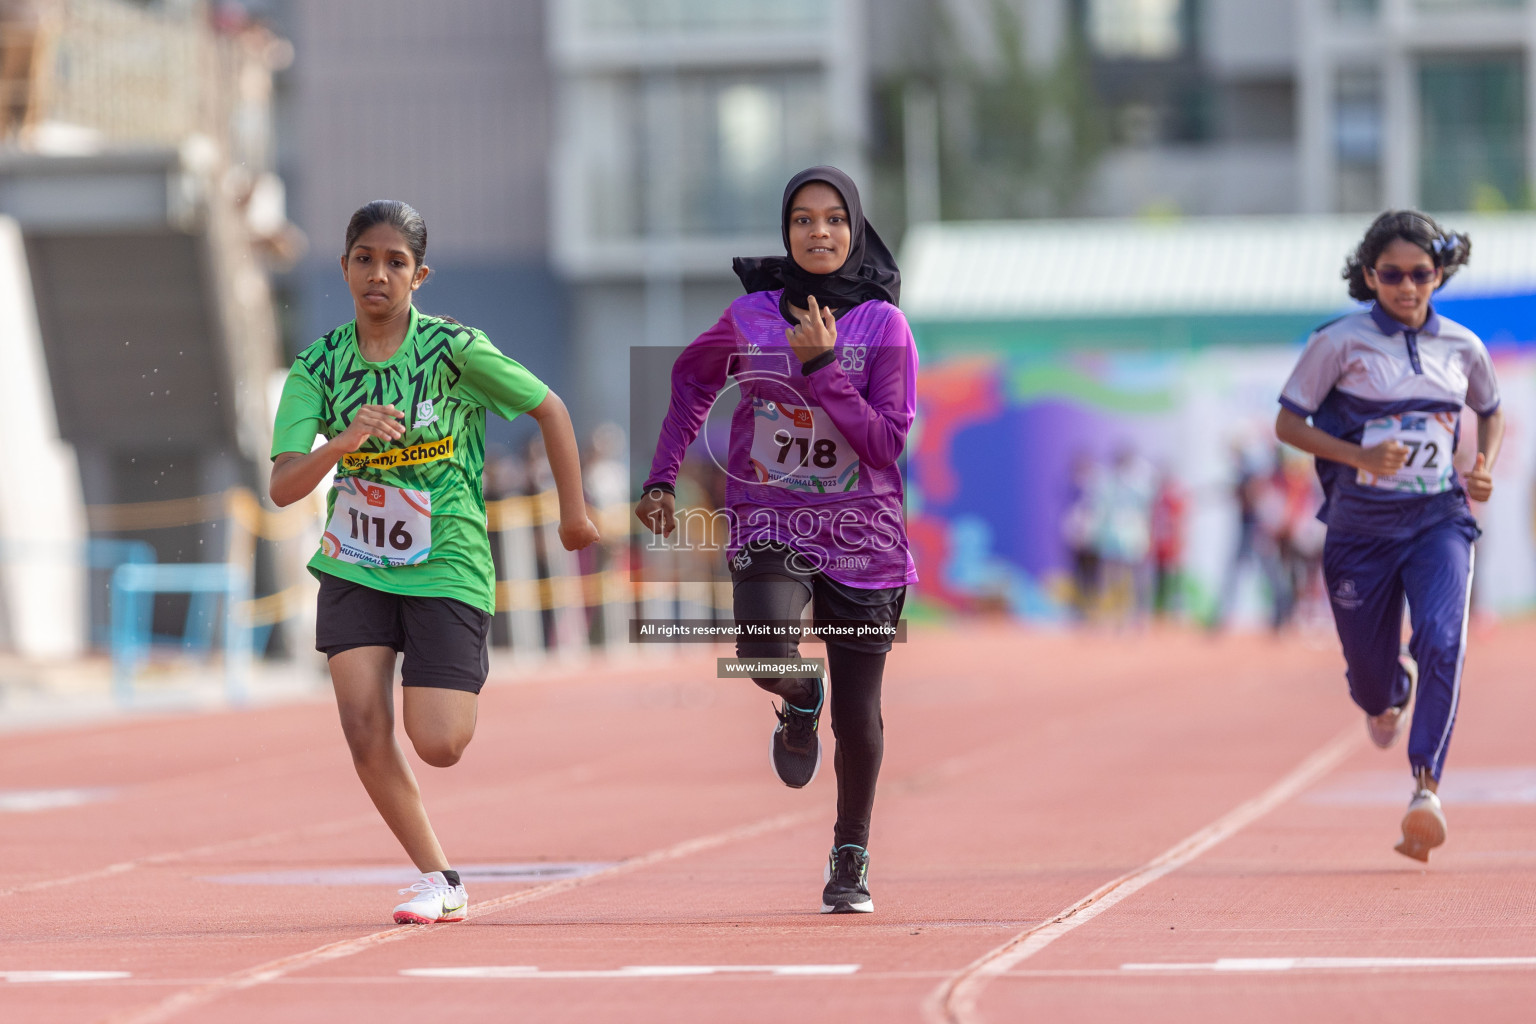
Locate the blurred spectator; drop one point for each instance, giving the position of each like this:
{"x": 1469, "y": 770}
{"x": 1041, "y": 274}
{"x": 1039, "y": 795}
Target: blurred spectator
{"x": 1077, "y": 531}
{"x": 606, "y": 474}
{"x": 505, "y": 474}
{"x": 27, "y": 29}
{"x": 1255, "y": 546}
{"x": 1271, "y": 499}
{"x": 1124, "y": 537}
{"x": 1299, "y": 539}
{"x": 1168, "y": 513}
{"x": 537, "y": 476}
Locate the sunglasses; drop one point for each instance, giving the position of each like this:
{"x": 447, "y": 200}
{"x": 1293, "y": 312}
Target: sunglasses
{"x": 1395, "y": 275}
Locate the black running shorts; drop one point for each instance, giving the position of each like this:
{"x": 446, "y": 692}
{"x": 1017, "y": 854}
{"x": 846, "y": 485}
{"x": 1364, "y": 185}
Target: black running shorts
{"x": 834, "y": 602}
{"x": 446, "y": 643}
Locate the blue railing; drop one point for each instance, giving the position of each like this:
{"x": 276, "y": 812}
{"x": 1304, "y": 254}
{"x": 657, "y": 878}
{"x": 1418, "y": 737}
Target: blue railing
{"x": 209, "y": 584}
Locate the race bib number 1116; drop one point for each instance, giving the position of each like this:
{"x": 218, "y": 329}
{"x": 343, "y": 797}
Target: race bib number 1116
{"x": 379, "y": 525}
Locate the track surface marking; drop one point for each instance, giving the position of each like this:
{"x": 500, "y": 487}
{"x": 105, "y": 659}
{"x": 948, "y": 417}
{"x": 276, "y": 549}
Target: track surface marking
{"x": 181, "y": 1002}
{"x": 954, "y": 1002}
{"x": 1022, "y": 771}
{"x": 184, "y": 1001}
{"x": 1344, "y": 963}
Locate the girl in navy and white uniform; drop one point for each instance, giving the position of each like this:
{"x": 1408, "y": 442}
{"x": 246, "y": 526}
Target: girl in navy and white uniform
{"x": 1383, "y": 390}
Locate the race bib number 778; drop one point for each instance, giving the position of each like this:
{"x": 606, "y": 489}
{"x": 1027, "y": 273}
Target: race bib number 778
{"x": 798, "y": 447}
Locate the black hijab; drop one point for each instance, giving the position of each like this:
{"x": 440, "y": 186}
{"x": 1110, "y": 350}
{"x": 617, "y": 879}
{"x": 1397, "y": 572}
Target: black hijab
{"x": 869, "y": 272}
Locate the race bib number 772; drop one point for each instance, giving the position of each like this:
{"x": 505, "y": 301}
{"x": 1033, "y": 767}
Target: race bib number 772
{"x": 379, "y": 525}
{"x": 1430, "y": 438}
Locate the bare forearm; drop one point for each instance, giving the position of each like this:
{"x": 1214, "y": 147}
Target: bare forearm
{"x": 1490, "y": 436}
{"x": 295, "y": 475}
{"x": 1298, "y": 433}
{"x": 564, "y": 457}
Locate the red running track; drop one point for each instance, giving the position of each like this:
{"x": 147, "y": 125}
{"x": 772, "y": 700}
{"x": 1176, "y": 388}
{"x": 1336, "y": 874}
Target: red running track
{"x": 1072, "y": 827}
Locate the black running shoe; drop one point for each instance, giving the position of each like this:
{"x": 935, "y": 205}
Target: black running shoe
{"x": 847, "y": 889}
{"x": 795, "y": 749}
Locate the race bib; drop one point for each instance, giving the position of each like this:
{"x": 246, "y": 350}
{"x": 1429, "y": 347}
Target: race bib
{"x": 1430, "y": 438}
{"x": 798, "y": 447}
{"x": 375, "y": 524}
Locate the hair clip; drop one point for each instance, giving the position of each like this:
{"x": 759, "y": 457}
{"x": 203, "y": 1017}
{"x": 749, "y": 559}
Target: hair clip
{"x": 1445, "y": 243}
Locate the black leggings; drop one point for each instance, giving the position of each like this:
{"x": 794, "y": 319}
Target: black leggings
{"x": 854, "y": 677}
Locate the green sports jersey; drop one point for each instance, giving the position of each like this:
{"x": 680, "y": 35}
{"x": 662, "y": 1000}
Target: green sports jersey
{"x": 444, "y": 377}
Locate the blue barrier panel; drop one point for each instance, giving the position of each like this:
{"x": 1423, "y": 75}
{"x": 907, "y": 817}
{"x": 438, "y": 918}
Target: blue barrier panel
{"x": 108, "y": 553}
{"x": 134, "y": 586}
{"x": 95, "y": 553}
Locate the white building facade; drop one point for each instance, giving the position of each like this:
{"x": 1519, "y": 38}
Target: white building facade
{"x": 1424, "y": 103}
{"x": 1313, "y": 106}
{"x": 676, "y": 126}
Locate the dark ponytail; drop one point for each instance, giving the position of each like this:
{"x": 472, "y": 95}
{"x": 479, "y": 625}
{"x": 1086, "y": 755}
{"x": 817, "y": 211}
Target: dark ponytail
{"x": 400, "y": 216}
{"x": 1448, "y": 249}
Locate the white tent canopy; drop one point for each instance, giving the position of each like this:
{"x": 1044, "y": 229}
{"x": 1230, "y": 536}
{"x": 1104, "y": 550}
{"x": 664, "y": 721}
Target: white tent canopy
{"x": 1092, "y": 268}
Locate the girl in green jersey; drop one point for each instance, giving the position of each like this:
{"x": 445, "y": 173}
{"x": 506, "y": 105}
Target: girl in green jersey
{"x": 405, "y": 561}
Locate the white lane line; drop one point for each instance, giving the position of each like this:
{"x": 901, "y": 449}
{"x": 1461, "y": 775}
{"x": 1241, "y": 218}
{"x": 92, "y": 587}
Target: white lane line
{"x": 21, "y": 801}
{"x": 954, "y": 1002}
{"x": 637, "y": 971}
{"x": 180, "y": 1002}
{"x": 33, "y": 977}
{"x": 172, "y": 856}
{"x": 1466, "y": 787}
{"x": 1335, "y": 963}
{"x": 310, "y": 831}
{"x": 273, "y": 970}
{"x": 497, "y": 874}
{"x": 939, "y": 773}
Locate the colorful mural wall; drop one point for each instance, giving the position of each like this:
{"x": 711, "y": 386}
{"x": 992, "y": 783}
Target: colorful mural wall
{"x": 1010, "y": 435}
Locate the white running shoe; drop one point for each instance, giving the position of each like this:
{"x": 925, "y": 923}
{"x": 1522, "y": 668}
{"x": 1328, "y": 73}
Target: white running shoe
{"x": 1386, "y": 727}
{"x": 1423, "y": 826}
{"x": 435, "y": 900}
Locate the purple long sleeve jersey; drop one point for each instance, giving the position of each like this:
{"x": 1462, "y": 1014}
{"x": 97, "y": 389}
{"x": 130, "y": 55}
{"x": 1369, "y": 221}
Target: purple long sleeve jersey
{"x": 813, "y": 451}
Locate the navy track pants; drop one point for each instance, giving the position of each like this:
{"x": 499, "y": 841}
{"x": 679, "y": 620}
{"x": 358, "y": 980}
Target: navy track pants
{"x": 1368, "y": 580}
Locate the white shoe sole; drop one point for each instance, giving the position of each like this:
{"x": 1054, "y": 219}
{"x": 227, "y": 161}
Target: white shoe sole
{"x": 1385, "y": 738}
{"x": 1423, "y": 830}
{"x": 411, "y": 917}
{"x": 404, "y": 916}
{"x": 1382, "y": 734}
{"x": 844, "y": 907}
{"x": 407, "y": 917}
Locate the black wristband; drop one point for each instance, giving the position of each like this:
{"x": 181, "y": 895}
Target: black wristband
{"x": 811, "y": 366}
{"x": 658, "y": 486}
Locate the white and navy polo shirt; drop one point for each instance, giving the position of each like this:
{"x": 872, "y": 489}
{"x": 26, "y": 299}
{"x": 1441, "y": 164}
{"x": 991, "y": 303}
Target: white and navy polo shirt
{"x": 1360, "y": 370}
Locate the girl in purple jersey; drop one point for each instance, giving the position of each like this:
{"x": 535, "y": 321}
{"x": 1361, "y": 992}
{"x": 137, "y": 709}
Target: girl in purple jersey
{"x": 1377, "y": 398}
{"x": 825, "y": 366}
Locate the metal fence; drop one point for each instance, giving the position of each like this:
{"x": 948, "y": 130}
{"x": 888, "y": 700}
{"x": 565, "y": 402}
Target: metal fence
{"x": 143, "y": 75}
{"x": 551, "y": 604}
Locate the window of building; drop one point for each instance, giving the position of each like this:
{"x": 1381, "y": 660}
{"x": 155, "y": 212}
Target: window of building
{"x": 701, "y": 15}
{"x": 1357, "y": 131}
{"x": 1137, "y": 29}
{"x": 1472, "y": 132}
{"x": 1461, "y": 5}
{"x": 1356, "y": 8}
{"x": 1370, "y": 8}
{"x": 694, "y": 154}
